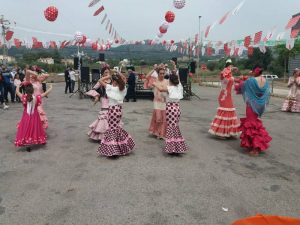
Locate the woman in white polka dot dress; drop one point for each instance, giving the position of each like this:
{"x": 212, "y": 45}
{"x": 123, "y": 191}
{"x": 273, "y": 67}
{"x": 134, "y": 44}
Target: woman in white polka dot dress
{"x": 116, "y": 140}
{"x": 175, "y": 143}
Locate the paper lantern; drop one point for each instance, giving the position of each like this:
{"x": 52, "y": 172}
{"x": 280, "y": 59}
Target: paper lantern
{"x": 165, "y": 25}
{"x": 179, "y": 4}
{"x": 82, "y": 42}
{"x": 162, "y": 30}
{"x": 170, "y": 17}
{"x": 159, "y": 35}
{"x": 95, "y": 46}
{"x": 51, "y": 13}
{"x": 78, "y": 36}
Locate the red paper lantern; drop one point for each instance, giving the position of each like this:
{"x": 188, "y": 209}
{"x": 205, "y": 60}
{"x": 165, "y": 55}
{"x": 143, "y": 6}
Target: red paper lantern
{"x": 51, "y": 13}
{"x": 170, "y": 17}
{"x": 162, "y": 30}
{"x": 95, "y": 46}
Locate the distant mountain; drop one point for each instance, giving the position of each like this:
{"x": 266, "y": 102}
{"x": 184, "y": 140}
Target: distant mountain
{"x": 133, "y": 52}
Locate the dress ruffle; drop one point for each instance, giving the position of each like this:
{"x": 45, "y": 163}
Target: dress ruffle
{"x": 225, "y": 123}
{"x": 99, "y": 126}
{"x": 254, "y": 135}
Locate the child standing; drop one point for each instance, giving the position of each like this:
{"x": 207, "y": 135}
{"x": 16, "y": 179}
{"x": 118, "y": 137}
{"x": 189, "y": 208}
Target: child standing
{"x": 30, "y": 128}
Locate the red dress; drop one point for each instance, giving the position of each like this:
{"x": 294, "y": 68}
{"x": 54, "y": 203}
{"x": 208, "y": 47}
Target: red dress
{"x": 30, "y": 128}
{"x": 225, "y": 123}
{"x": 254, "y": 134}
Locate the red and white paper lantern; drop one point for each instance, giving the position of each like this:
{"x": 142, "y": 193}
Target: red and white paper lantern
{"x": 179, "y": 4}
{"x": 162, "y": 30}
{"x": 51, "y": 13}
{"x": 170, "y": 17}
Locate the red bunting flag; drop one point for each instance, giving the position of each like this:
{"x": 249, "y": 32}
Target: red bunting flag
{"x": 222, "y": 20}
{"x": 53, "y": 44}
{"x": 34, "y": 40}
{"x": 98, "y": 11}
{"x": 294, "y": 33}
{"x": 8, "y": 35}
{"x": 257, "y": 37}
{"x": 209, "y": 51}
{"x": 207, "y": 31}
{"x": 247, "y": 41}
{"x": 17, "y": 42}
{"x": 292, "y": 22}
{"x": 236, "y": 51}
{"x": 196, "y": 38}
{"x": 250, "y": 50}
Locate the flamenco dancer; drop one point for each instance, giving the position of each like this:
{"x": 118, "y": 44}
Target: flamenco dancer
{"x": 158, "y": 123}
{"x": 292, "y": 102}
{"x": 175, "y": 143}
{"x": 256, "y": 94}
{"x": 100, "y": 125}
{"x": 30, "y": 128}
{"x": 225, "y": 123}
{"x": 116, "y": 140}
{"x": 36, "y": 80}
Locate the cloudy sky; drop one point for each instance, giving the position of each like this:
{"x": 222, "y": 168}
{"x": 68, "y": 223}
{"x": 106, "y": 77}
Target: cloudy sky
{"x": 140, "y": 19}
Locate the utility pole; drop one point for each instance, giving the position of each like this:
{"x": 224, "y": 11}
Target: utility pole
{"x": 5, "y": 26}
{"x": 199, "y": 43}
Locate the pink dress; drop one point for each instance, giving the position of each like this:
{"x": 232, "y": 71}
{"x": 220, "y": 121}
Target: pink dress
{"x": 158, "y": 123}
{"x": 38, "y": 90}
{"x": 100, "y": 125}
{"x": 30, "y": 130}
{"x": 225, "y": 123}
{"x": 292, "y": 101}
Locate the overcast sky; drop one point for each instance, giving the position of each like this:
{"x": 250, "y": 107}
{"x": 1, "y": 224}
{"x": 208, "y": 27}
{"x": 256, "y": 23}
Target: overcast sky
{"x": 140, "y": 19}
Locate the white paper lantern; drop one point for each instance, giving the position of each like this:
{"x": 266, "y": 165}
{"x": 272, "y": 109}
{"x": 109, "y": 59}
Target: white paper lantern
{"x": 160, "y": 35}
{"x": 179, "y": 4}
{"x": 165, "y": 25}
{"x": 78, "y": 36}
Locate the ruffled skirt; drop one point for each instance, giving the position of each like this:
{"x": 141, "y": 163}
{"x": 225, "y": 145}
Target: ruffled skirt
{"x": 99, "y": 126}
{"x": 225, "y": 123}
{"x": 291, "y": 105}
{"x": 254, "y": 135}
{"x": 116, "y": 140}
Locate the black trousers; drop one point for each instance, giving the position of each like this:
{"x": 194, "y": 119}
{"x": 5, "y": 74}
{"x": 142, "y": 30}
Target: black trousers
{"x": 68, "y": 86}
{"x": 130, "y": 93}
{"x": 9, "y": 88}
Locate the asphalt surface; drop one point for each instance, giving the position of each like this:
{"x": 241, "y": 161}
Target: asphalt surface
{"x": 66, "y": 183}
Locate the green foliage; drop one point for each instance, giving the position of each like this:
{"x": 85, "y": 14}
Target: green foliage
{"x": 259, "y": 58}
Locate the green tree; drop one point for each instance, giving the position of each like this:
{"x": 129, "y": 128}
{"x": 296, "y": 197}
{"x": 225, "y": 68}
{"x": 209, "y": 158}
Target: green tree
{"x": 280, "y": 64}
{"x": 259, "y": 58}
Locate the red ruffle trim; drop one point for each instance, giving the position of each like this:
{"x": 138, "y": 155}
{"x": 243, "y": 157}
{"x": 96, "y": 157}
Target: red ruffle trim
{"x": 254, "y": 135}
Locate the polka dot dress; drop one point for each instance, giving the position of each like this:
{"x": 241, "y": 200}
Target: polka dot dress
{"x": 116, "y": 140}
{"x": 174, "y": 141}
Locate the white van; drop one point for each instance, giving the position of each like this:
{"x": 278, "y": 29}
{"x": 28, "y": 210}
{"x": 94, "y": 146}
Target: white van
{"x": 270, "y": 76}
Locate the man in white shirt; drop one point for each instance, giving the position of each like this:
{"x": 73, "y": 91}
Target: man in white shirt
{"x": 73, "y": 79}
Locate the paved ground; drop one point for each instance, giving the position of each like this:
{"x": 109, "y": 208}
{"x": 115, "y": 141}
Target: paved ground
{"x": 65, "y": 182}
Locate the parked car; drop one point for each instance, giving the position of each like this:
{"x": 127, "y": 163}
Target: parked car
{"x": 270, "y": 76}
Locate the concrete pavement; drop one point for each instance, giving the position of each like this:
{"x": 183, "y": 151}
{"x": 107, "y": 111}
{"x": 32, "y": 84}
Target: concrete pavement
{"x": 66, "y": 183}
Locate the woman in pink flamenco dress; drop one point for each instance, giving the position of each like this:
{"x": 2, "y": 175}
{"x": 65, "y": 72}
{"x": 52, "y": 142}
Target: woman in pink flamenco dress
{"x": 158, "y": 123}
{"x": 100, "y": 125}
{"x": 292, "y": 101}
{"x": 30, "y": 130}
{"x": 36, "y": 81}
{"x": 256, "y": 94}
{"x": 225, "y": 123}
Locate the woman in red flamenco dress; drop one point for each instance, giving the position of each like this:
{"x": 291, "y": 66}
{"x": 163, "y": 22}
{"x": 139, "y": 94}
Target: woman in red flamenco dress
{"x": 225, "y": 123}
{"x": 256, "y": 94}
{"x": 30, "y": 128}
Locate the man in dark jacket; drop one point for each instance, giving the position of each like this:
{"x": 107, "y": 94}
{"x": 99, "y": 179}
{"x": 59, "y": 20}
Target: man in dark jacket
{"x": 67, "y": 80}
{"x": 131, "y": 87}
